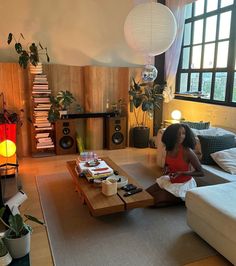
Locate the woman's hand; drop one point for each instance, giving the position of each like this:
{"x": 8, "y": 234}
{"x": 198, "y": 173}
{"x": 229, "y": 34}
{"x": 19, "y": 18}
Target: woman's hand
{"x": 175, "y": 175}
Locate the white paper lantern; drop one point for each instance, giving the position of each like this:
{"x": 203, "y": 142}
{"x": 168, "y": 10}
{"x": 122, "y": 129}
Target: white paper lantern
{"x": 150, "y": 28}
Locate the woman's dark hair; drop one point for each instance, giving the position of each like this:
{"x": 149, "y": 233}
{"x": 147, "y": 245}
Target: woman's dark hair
{"x": 170, "y": 136}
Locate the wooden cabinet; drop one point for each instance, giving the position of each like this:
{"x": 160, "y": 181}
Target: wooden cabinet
{"x": 42, "y": 136}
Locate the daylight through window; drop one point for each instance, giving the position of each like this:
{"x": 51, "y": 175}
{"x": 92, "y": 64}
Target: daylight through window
{"x": 207, "y": 67}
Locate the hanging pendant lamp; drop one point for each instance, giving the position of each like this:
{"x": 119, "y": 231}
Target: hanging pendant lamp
{"x": 150, "y": 28}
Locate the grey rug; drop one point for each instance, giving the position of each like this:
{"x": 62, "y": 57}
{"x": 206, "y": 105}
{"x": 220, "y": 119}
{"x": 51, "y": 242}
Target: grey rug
{"x": 142, "y": 237}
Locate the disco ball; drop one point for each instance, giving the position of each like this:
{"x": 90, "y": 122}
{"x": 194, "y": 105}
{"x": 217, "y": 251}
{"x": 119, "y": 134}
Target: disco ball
{"x": 149, "y": 73}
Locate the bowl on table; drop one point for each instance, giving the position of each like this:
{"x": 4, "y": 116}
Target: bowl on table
{"x": 121, "y": 180}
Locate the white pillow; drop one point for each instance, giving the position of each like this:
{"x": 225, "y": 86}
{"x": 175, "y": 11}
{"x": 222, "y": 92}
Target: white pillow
{"x": 226, "y": 159}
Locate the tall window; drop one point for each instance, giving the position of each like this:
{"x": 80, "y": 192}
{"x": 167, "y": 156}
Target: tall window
{"x": 207, "y": 67}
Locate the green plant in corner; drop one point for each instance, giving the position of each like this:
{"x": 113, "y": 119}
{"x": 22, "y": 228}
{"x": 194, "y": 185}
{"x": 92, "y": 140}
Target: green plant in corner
{"x": 145, "y": 97}
{"x": 30, "y": 54}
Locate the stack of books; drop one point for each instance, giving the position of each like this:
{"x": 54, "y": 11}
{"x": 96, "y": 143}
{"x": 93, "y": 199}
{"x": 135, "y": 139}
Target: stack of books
{"x": 41, "y": 99}
{"x": 44, "y": 140}
{"x": 94, "y": 169}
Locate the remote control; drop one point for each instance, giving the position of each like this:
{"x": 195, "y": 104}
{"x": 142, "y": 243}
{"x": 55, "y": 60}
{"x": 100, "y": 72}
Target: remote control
{"x": 134, "y": 191}
{"x": 129, "y": 187}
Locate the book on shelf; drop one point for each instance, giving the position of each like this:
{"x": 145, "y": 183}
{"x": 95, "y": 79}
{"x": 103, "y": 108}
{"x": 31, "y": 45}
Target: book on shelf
{"x": 41, "y": 108}
{"x": 42, "y": 135}
{"x": 41, "y": 118}
{"x": 40, "y": 81}
{"x": 42, "y": 124}
{"x": 40, "y": 87}
{"x": 40, "y": 76}
{"x": 43, "y": 105}
{"x": 43, "y": 128}
{"x": 45, "y": 146}
{"x": 41, "y": 92}
{"x": 43, "y": 140}
{"x": 41, "y": 100}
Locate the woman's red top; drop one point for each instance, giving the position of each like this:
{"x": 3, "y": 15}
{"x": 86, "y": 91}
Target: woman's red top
{"x": 178, "y": 164}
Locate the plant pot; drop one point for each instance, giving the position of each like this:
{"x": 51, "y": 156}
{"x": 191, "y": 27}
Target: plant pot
{"x": 18, "y": 247}
{"x": 36, "y": 69}
{"x": 6, "y": 259}
{"x": 63, "y": 112}
{"x": 141, "y": 137}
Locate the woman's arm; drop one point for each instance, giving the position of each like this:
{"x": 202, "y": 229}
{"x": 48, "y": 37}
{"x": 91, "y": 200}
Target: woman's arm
{"x": 194, "y": 161}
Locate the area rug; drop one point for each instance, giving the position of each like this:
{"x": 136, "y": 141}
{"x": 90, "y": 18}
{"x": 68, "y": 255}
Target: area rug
{"x": 142, "y": 237}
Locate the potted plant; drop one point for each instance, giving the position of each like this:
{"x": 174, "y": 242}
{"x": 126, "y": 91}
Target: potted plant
{"x": 119, "y": 107}
{"x": 60, "y": 104}
{"x": 5, "y": 257}
{"x": 144, "y": 98}
{"x": 30, "y": 54}
{"x": 17, "y": 236}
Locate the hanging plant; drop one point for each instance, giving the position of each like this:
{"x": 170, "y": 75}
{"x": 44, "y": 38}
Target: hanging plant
{"x": 30, "y": 54}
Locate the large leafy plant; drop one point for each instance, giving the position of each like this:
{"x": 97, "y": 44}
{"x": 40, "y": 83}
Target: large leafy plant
{"x": 30, "y": 54}
{"x": 17, "y": 227}
{"x": 144, "y": 98}
{"x": 65, "y": 99}
{"x": 60, "y": 102}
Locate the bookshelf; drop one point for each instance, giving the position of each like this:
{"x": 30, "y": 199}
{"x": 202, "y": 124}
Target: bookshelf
{"x": 42, "y": 136}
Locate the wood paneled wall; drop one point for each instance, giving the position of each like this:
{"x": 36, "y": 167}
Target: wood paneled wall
{"x": 14, "y": 86}
{"x": 92, "y": 86}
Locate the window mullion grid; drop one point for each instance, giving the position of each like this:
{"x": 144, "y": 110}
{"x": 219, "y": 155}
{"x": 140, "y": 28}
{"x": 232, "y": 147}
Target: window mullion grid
{"x": 203, "y": 47}
{"x": 231, "y": 57}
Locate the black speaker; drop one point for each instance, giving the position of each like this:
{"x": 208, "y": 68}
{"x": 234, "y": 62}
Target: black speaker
{"x": 65, "y": 133}
{"x": 116, "y": 133}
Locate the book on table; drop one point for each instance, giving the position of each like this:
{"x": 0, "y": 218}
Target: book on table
{"x": 101, "y": 170}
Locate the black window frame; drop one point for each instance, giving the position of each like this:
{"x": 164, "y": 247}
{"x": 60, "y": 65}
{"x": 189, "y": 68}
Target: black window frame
{"x": 230, "y": 69}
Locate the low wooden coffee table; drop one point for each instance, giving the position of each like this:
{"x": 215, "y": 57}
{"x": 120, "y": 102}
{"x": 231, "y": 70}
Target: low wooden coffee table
{"x": 100, "y": 204}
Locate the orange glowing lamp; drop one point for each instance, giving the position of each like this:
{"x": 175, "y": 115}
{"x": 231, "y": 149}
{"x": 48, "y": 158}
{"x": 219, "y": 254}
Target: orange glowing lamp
{"x": 7, "y": 148}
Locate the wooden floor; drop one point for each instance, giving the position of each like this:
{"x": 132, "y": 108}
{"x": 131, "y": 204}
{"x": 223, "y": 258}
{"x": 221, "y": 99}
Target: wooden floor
{"x": 30, "y": 167}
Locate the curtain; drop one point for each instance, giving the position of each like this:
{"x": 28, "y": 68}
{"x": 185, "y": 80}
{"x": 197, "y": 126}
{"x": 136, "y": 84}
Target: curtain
{"x": 173, "y": 54}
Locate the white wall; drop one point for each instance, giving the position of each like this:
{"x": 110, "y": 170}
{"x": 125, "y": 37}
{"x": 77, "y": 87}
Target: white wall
{"x": 76, "y": 32}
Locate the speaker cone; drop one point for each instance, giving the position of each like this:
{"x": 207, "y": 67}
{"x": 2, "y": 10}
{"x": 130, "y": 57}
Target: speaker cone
{"x": 117, "y": 128}
{"x": 66, "y": 142}
{"x": 117, "y": 138}
{"x": 66, "y": 131}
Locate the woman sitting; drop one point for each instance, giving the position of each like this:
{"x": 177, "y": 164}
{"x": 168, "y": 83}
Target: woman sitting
{"x": 181, "y": 165}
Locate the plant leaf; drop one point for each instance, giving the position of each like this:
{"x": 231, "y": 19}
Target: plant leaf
{"x": 34, "y": 219}
{"x": 137, "y": 101}
{"x": 40, "y": 45}
{"x": 16, "y": 223}
{"x": 2, "y": 210}
{"x": 9, "y": 39}
{"x": 21, "y": 34}
{"x": 24, "y": 59}
{"x": 18, "y": 47}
